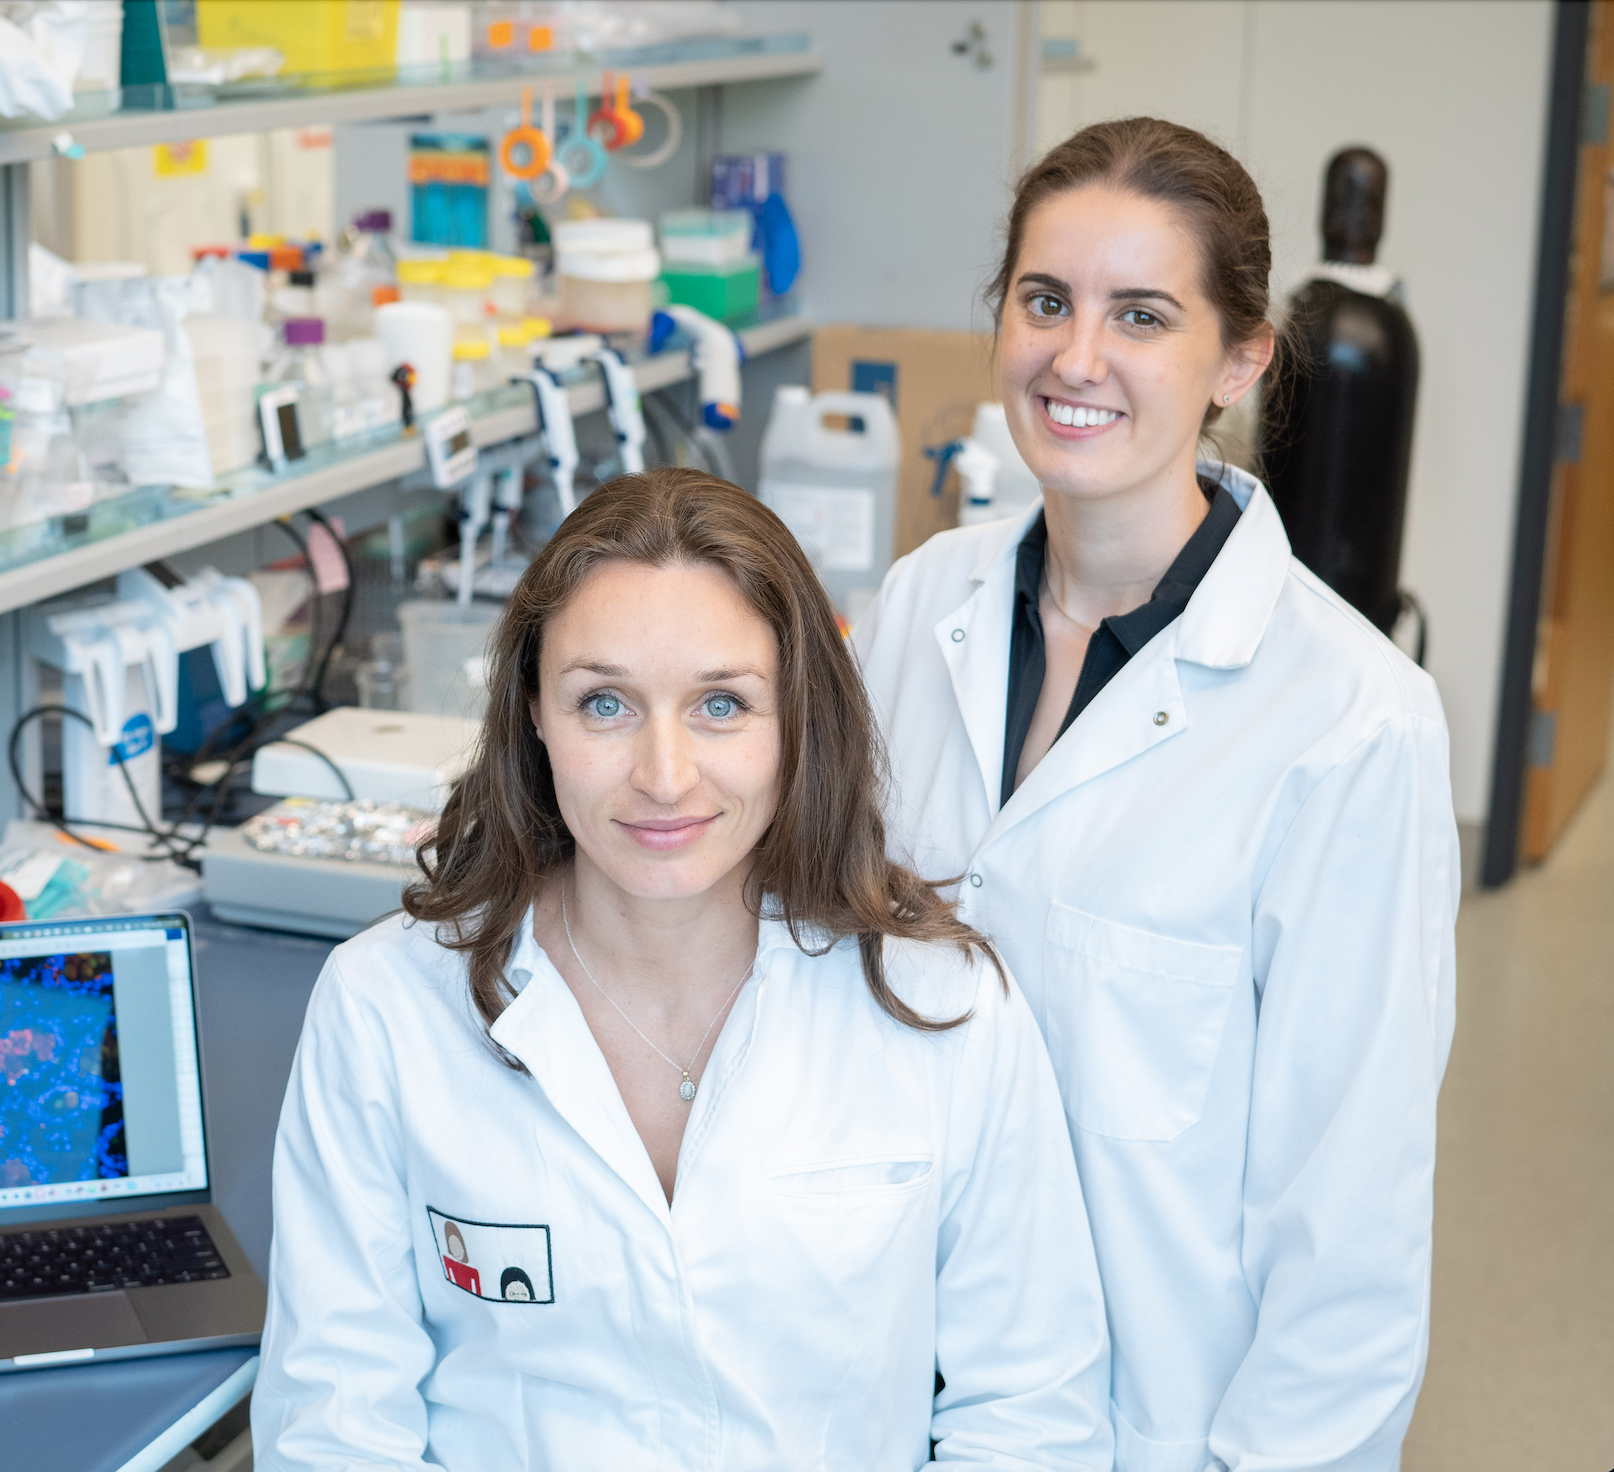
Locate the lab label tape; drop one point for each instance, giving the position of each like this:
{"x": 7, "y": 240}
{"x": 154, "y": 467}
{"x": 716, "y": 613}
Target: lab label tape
{"x": 501, "y": 1262}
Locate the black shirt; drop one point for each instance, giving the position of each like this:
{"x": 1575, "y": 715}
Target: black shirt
{"x": 1114, "y": 641}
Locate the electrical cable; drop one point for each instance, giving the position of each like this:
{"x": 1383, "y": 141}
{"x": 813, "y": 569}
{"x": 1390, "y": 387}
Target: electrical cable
{"x": 174, "y": 845}
{"x": 39, "y": 712}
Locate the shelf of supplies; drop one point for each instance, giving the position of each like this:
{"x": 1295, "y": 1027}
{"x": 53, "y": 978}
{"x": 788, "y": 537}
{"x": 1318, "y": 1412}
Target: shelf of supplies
{"x": 146, "y": 115}
{"x": 48, "y": 558}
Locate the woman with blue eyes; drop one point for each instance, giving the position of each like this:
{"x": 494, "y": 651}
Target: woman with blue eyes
{"x": 1202, "y": 809}
{"x": 762, "y": 1136}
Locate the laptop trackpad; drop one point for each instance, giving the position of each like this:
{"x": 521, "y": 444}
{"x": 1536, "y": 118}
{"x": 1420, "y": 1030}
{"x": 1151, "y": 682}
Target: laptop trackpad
{"x": 94, "y": 1321}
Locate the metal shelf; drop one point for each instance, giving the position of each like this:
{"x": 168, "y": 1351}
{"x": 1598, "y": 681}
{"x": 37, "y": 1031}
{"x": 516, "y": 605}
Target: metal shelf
{"x": 157, "y": 521}
{"x": 175, "y": 114}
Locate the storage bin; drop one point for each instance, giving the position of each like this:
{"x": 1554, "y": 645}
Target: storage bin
{"x": 440, "y": 639}
{"x": 313, "y": 35}
{"x": 605, "y": 269}
{"x": 705, "y": 237}
{"x": 727, "y": 292}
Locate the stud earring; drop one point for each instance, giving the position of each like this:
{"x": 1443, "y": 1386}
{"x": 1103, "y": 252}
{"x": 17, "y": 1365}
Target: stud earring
{"x": 1227, "y": 398}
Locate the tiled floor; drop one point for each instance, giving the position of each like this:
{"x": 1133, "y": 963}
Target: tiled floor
{"x": 1521, "y": 1359}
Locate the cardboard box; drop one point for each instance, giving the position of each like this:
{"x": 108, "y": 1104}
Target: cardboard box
{"x": 934, "y": 381}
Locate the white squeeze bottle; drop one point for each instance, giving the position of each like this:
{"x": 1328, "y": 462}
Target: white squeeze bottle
{"x": 835, "y": 486}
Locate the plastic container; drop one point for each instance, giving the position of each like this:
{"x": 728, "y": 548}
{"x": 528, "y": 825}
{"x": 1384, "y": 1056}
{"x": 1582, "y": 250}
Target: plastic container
{"x": 515, "y": 350}
{"x": 705, "y": 237}
{"x": 512, "y": 285}
{"x": 605, "y": 270}
{"x": 102, "y": 68}
{"x": 378, "y": 394}
{"x": 466, "y": 289}
{"x": 1014, "y": 486}
{"x": 313, "y": 35}
{"x": 836, "y": 489}
{"x": 418, "y": 280}
{"x": 725, "y": 293}
{"x": 440, "y": 639}
{"x": 423, "y": 337}
{"x": 473, "y": 368}
{"x": 347, "y": 405}
{"x": 226, "y": 355}
{"x": 302, "y": 363}
{"x": 512, "y": 29}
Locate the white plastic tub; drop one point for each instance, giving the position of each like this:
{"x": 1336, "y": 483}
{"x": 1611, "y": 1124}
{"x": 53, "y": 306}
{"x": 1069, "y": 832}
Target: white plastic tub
{"x": 445, "y": 649}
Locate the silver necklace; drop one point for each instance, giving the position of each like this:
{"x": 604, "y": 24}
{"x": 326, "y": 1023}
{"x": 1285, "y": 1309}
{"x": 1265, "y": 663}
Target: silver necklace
{"x": 686, "y": 1089}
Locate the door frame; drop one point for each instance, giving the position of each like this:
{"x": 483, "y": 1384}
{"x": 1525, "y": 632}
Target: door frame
{"x": 1539, "y": 453}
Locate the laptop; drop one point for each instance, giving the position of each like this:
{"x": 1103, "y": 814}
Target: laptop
{"x": 109, "y": 1244}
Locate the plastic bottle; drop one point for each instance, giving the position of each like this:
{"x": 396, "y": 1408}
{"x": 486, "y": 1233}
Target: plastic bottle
{"x": 300, "y": 363}
{"x": 836, "y": 489}
{"x": 977, "y": 470}
{"x": 347, "y": 406}
{"x": 378, "y": 395}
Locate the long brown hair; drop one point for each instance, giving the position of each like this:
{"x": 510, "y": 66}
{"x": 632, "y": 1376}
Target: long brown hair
{"x": 821, "y": 867}
{"x": 1211, "y": 189}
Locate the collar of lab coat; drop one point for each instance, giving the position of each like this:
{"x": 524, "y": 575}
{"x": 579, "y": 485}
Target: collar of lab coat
{"x": 545, "y": 1029}
{"x": 1221, "y": 628}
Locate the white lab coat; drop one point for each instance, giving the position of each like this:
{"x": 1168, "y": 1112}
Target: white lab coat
{"x": 856, "y": 1204}
{"x": 1229, "y": 893}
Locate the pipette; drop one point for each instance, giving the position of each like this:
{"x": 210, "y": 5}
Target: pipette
{"x": 560, "y": 439}
{"x": 622, "y": 405}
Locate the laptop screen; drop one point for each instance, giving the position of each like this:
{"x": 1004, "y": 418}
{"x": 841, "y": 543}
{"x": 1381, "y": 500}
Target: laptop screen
{"x": 100, "y": 1088}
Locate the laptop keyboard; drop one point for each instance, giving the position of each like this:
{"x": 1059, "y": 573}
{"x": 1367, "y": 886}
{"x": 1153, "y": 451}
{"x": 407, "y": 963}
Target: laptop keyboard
{"x": 100, "y": 1256}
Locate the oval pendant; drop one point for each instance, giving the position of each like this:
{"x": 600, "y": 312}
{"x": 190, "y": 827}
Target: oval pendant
{"x": 686, "y": 1090}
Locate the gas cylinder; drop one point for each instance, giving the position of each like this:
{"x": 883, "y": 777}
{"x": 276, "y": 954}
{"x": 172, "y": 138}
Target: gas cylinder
{"x": 1336, "y": 430}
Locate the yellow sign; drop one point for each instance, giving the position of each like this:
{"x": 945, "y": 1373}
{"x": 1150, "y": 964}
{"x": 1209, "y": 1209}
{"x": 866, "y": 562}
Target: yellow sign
{"x": 173, "y": 159}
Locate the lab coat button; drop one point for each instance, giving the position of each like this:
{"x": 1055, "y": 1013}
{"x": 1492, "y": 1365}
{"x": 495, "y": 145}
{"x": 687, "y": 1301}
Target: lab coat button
{"x": 975, "y": 879}
{"x": 958, "y": 636}
{"x": 1160, "y": 718}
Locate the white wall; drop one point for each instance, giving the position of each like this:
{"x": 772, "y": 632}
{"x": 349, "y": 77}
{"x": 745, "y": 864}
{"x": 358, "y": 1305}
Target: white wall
{"x": 900, "y": 153}
{"x": 1454, "y": 96}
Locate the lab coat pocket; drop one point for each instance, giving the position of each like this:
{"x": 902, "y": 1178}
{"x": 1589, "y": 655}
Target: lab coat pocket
{"x": 1135, "y": 1021}
{"x": 894, "y": 1176}
{"x": 502, "y": 1262}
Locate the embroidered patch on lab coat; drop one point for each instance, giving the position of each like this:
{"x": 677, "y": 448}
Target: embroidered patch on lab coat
{"x": 504, "y": 1262}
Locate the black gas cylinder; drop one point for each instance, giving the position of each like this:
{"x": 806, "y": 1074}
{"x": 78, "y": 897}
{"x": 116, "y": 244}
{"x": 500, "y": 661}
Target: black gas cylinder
{"x": 1336, "y": 430}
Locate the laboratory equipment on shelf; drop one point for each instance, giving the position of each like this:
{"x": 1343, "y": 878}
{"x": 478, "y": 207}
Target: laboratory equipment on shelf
{"x": 1337, "y": 430}
{"x": 716, "y": 357}
{"x": 360, "y": 787}
{"x": 421, "y": 335}
{"x": 120, "y": 664}
{"x": 623, "y": 407}
{"x": 836, "y": 489}
{"x": 605, "y": 269}
{"x": 707, "y": 262}
{"x": 300, "y": 366}
{"x": 558, "y": 434}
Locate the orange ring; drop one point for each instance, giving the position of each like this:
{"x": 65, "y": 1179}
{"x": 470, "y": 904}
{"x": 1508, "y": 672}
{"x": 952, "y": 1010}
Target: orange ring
{"x": 528, "y": 137}
{"x": 618, "y": 122}
{"x": 624, "y": 110}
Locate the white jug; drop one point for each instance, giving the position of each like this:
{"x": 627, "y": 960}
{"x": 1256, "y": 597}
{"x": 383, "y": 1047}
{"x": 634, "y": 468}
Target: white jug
{"x": 835, "y": 488}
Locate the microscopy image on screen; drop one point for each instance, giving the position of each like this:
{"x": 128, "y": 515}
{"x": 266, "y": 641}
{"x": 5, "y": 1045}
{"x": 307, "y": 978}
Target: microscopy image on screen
{"x": 61, "y": 1102}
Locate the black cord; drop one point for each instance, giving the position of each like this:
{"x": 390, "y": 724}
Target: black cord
{"x": 319, "y": 518}
{"x": 341, "y": 776}
{"x": 314, "y": 620}
{"x": 39, "y": 712}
